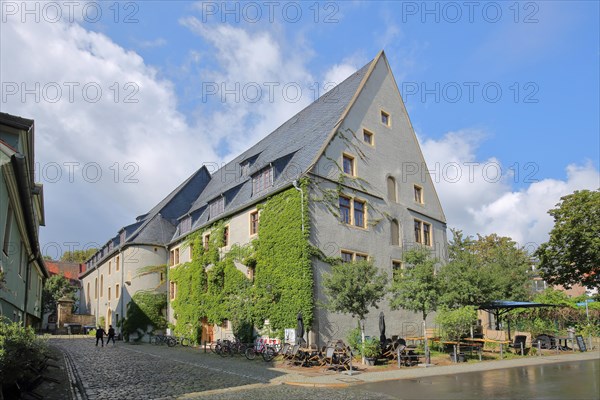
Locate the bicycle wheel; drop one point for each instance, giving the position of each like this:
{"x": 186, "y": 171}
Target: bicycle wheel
{"x": 225, "y": 351}
{"x": 242, "y": 349}
{"x": 185, "y": 342}
{"x": 171, "y": 341}
{"x": 268, "y": 354}
{"x": 250, "y": 353}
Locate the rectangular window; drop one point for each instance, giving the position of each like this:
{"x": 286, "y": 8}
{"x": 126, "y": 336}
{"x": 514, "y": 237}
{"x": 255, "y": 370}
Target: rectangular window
{"x": 109, "y": 293}
{"x": 348, "y": 164}
{"x": 226, "y": 236}
{"x": 360, "y": 257}
{"x": 426, "y": 234}
{"x": 206, "y": 242}
{"x": 368, "y": 137}
{"x": 418, "y": 236}
{"x": 350, "y": 256}
{"x": 262, "y": 181}
{"x": 396, "y": 270}
{"x": 117, "y": 264}
{"x": 418, "y": 194}
{"x": 347, "y": 256}
{"x": 216, "y": 207}
{"x": 176, "y": 256}
{"x": 7, "y": 229}
{"x": 191, "y": 251}
{"x": 109, "y": 267}
{"x": 423, "y": 233}
{"x": 385, "y": 118}
{"x": 117, "y": 291}
{"x": 254, "y": 223}
{"x": 171, "y": 258}
{"x": 359, "y": 213}
{"x": 172, "y": 290}
{"x": 345, "y": 209}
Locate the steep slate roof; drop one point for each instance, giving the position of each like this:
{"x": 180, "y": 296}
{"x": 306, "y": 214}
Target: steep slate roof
{"x": 291, "y": 149}
{"x": 159, "y": 224}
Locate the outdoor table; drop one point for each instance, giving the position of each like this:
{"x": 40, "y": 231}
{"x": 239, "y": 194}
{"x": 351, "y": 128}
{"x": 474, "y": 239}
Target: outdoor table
{"x": 564, "y": 339}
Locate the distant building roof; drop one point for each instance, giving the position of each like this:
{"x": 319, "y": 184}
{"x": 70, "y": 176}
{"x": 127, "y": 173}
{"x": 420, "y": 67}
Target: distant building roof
{"x": 70, "y": 270}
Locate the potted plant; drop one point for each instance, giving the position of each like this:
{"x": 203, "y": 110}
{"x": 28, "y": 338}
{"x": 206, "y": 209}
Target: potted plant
{"x": 371, "y": 348}
{"x": 454, "y": 324}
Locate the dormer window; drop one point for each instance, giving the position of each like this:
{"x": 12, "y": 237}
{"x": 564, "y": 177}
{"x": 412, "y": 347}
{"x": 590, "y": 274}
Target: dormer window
{"x": 216, "y": 207}
{"x": 262, "y": 180}
{"x": 186, "y": 224}
{"x": 244, "y": 168}
{"x": 386, "y": 119}
{"x": 122, "y": 237}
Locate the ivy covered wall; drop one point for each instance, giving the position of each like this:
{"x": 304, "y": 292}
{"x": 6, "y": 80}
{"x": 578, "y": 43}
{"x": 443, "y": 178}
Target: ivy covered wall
{"x": 212, "y": 287}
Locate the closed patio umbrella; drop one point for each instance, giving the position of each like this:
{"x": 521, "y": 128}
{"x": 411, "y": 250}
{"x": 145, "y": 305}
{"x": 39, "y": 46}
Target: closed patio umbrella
{"x": 300, "y": 329}
{"x": 382, "y": 337}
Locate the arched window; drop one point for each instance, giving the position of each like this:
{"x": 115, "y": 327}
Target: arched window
{"x": 96, "y": 288}
{"x": 395, "y": 233}
{"x": 101, "y": 286}
{"x": 391, "y": 189}
{"x": 87, "y": 294}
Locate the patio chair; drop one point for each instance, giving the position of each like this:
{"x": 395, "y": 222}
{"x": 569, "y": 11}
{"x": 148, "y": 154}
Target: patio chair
{"x": 293, "y": 354}
{"x": 314, "y": 356}
{"x": 392, "y": 351}
{"x": 328, "y": 358}
{"x": 520, "y": 340}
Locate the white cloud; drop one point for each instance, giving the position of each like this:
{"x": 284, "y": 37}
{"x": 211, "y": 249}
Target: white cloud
{"x": 479, "y": 200}
{"x": 119, "y": 112}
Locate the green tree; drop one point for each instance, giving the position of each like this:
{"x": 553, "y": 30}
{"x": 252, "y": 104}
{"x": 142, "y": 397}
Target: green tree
{"x": 417, "y": 288}
{"x": 55, "y": 287}
{"x": 77, "y": 256}
{"x": 479, "y": 271}
{"x": 572, "y": 254}
{"x": 455, "y": 323}
{"x": 353, "y": 288}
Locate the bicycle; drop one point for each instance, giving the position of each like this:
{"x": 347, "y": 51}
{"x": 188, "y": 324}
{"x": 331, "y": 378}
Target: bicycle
{"x": 163, "y": 339}
{"x": 268, "y": 352}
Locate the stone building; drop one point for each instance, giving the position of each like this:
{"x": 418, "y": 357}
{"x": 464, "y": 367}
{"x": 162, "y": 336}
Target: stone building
{"x": 370, "y": 196}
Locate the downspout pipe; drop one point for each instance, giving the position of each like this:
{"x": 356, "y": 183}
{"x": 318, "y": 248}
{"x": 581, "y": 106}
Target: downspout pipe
{"x": 298, "y": 188}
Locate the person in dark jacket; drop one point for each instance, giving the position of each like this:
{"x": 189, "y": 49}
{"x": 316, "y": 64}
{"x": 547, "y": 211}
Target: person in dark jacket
{"x": 100, "y": 335}
{"x": 111, "y": 335}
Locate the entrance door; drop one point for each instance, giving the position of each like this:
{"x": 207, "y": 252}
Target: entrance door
{"x": 207, "y": 331}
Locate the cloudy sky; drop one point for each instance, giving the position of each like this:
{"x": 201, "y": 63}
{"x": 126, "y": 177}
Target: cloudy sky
{"x": 130, "y": 98}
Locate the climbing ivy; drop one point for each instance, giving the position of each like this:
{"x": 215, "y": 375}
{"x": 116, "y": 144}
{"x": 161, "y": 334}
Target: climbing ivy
{"x": 145, "y": 311}
{"x": 211, "y": 287}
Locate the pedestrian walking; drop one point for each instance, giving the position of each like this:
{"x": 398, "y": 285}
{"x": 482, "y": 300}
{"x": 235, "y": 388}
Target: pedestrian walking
{"x": 100, "y": 335}
{"x": 111, "y": 335}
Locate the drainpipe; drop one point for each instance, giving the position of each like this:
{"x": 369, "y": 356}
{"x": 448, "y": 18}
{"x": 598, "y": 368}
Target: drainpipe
{"x": 298, "y": 188}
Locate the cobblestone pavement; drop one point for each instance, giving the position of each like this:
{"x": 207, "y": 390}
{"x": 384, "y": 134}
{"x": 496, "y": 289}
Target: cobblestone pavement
{"x": 125, "y": 371}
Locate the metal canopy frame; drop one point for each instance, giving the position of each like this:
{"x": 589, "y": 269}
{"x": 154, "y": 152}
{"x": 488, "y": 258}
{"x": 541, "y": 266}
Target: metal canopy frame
{"x": 501, "y": 307}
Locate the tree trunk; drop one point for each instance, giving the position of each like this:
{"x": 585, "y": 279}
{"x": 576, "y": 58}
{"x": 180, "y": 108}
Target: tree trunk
{"x": 362, "y": 341}
{"x": 427, "y": 355}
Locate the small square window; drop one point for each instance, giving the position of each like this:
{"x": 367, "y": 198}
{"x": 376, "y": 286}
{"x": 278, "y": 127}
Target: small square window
{"x": 386, "y": 119}
{"x": 206, "y": 241}
{"x": 368, "y": 137}
{"x": 348, "y": 164}
{"x": 346, "y": 256}
{"x": 360, "y": 257}
{"x": 418, "y": 194}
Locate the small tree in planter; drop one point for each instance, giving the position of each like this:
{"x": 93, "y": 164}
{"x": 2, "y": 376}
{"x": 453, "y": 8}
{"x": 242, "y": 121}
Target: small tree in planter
{"x": 455, "y": 323}
{"x": 371, "y": 348}
{"x": 352, "y": 288}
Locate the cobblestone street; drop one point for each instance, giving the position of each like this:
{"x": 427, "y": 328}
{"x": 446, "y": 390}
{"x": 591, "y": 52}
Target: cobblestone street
{"x": 125, "y": 371}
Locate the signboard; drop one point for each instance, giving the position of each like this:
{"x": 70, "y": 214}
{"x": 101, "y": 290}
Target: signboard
{"x": 290, "y": 336}
{"x": 580, "y": 343}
